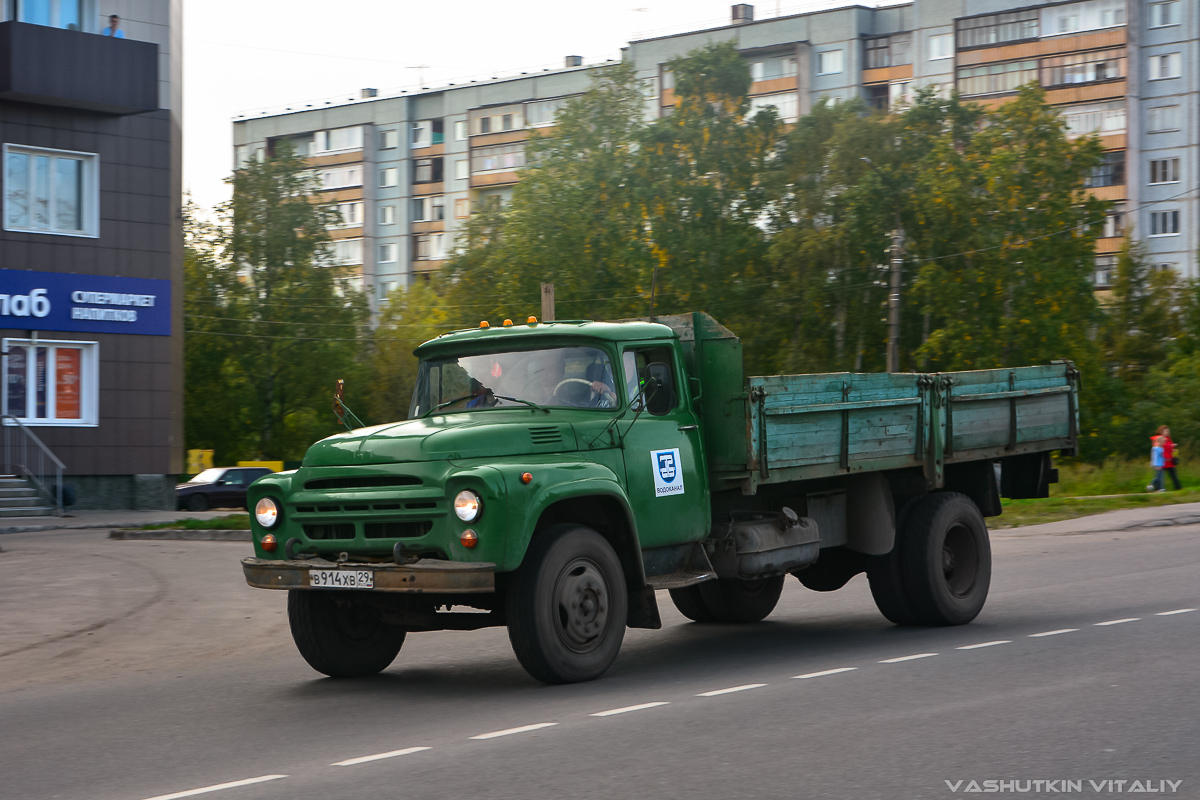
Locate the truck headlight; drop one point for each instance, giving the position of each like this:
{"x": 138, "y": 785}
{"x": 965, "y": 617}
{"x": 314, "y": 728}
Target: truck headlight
{"x": 266, "y": 511}
{"x": 467, "y": 505}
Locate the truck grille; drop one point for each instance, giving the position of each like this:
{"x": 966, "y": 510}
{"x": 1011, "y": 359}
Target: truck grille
{"x": 341, "y": 530}
{"x": 326, "y": 508}
{"x": 546, "y": 435}
{"x": 362, "y": 482}
{"x": 397, "y": 530}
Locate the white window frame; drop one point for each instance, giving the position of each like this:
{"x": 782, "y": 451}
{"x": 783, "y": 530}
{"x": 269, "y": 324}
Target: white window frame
{"x": 324, "y": 144}
{"x": 355, "y": 207}
{"x": 1165, "y": 66}
{"x": 90, "y": 194}
{"x": 389, "y": 177}
{"x": 389, "y": 139}
{"x": 941, "y": 46}
{"x": 1173, "y": 127}
{"x": 1158, "y": 223}
{"x": 352, "y": 176}
{"x": 462, "y": 130}
{"x": 387, "y": 215}
{"x": 350, "y": 259}
{"x": 1164, "y": 167}
{"x": 89, "y": 395}
{"x": 786, "y": 105}
{"x": 1164, "y": 15}
{"x": 826, "y": 69}
{"x": 421, "y": 134}
{"x": 462, "y": 204}
{"x": 462, "y": 169}
{"x": 387, "y": 253}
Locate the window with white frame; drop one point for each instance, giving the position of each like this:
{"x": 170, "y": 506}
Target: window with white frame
{"x": 387, "y": 287}
{"x": 337, "y": 140}
{"x": 1165, "y": 66}
{"x": 1114, "y": 221}
{"x": 831, "y": 62}
{"x": 429, "y": 247}
{"x": 345, "y": 252}
{"x": 462, "y": 169}
{"x": 340, "y": 177}
{"x": 422, "y": 133}
{"x": 1162, "y": 118}
{"x": 50, "y": 382}
{"x": 941, "y": 46}
{"x": 428, "y": 209}
{"x": 995, "y": 78}
{"x": 498, "y": 158}
{"x": 768, "y": 69}
{"x": 1166, "y": 266}
{"x": 1164, "y": 170}
{"x": 388, "y": 177}
{"x": 1099, "y": 118}
{"x": 387, "y": 253}
{"x": 387, "y": 215}
{"x": 899, "y": 93}
{"x": 786, "y": 105}
{"x": 350, "y": 214}
{"x": 1106, "y": 268}
{"x": 1164, "y": 223}
{"x": 462, "y": 208}
{"x": 389, "y": 139}
{"x": 1164, "y": 14}
{"x": 51, "y": 191}
{"x": 461, "y": 131}
{"x": 540, "y": 113}
{"x": 1079, "y": 17}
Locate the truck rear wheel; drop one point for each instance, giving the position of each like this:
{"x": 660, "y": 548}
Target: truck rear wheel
{"x": 732, "y": 600}
{"x": 567, "y": 606}
{"x": 340, "y": 637}
{"x": 885, "y": 577}
{"x": 946, "y": 559}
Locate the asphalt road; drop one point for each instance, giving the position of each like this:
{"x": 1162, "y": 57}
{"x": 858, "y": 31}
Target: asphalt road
{"x": 136, "y": 670}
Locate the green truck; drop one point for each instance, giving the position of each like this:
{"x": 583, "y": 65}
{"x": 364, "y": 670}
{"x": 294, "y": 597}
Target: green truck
{"x": 551, "y": 477}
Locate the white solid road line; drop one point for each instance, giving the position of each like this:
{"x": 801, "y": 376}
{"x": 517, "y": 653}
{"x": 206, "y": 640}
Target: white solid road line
{"x": 733, "y": 689}
{"x": 1052, "y": 633}
{"x": 824, "y": 673}
{"x": 984, "y": 644}
{"x": 906, "y": 658}
{"x": 350, "y": 762}
{"x": 613, "y": 711}
{"x": 1176, "y": 611}
{"x": 511, "y": 731}
{"x": 1117, "y": 621}
{"x": 218, "y": 787}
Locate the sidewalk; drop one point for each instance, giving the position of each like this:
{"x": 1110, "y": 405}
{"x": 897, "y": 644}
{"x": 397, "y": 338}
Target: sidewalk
{"x": 104, "y": 519}
{"x": 1121, "y": 520}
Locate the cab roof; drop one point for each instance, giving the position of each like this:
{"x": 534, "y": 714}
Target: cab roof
{"x": 502, "y": 336}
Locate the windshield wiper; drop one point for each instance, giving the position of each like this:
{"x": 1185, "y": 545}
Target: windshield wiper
{"x": 529, "y": 403}
{"x": 497, "y": 396}
{"x": 447, "y": 403}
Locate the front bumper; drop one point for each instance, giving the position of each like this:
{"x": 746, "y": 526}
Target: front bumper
{"x": 425, "y": 576}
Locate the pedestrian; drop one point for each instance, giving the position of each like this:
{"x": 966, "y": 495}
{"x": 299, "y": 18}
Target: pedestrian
{"x": 1156, "y": 463}
{"x": 1170, "y": 456}
{"x": 114, "y": 27}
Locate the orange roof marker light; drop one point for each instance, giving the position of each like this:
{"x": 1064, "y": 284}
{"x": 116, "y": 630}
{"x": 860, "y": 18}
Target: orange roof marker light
{"x": 531, "y": 321}
{"x": 508, "y": 323}
{"x": 483, "y": 323}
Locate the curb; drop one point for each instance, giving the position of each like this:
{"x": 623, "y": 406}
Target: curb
{"x": 181, "y": 534}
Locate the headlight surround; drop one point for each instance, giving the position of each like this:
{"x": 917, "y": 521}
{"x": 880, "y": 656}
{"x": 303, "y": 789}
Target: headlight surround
{"x": 266, "y": 511}
{"x": 468, "y": 506}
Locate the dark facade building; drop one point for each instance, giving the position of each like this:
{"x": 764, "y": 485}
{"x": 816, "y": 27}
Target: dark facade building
{"x": 91, "y": 247}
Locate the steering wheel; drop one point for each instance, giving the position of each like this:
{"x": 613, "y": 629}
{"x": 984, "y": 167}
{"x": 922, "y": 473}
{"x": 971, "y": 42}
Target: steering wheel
{"x": 565, "y": 381}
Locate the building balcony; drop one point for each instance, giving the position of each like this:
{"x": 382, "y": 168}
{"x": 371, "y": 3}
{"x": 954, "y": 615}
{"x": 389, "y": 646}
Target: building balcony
{"x": 71, "y": 69}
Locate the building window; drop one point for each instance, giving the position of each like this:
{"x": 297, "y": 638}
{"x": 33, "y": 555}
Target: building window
{"x": 1114, "y": 221}
{"x": 1099, "y": 118}
{"x": 1106, "y": 268}
{"x": 429, "y": 247}
{"x": 427, "y": 170}
{"x": 1164, "y": 66}
{"x": 462, "y": 169}
{"x": 387, "y": 253}
{"x": 462, "y": 208}
{"x": 387, "y": 215}
{"x": 345, "y": 252}
{"x": 388, "y": 176}
{"x": 1164, "y": 223}
{"x": 51, "y": 191}
{"x": 485, "y": 124}
{"x": 461, "y": 130}
{"x": 499, "y": 158}
{"x": 543, "y": 112}
{"x": 428, "y": 209}
{"x": 768, "y": 69}
{"x": 1014, "y": 26}
{"x": 1164, "y": 14}
{"x": 830, "y": 62}
{"x": 1079, "y": 17}
{"x": 350, "y": 214}
{"x": 68, "y": 14}
{"x": 340, "y": 177}
{"x": 389, "y": 139}
{"x": 899, "y": 93}
{"x": 49, "y": 382}
{"x": 427, "y": 132}
{"x": 941, "y": 46}
{"x": 1164, "y": 170}
{"x": 1162, "y": 118}
{"x": 338, "y": 140}
{"x": 1102, "y": 65}
{"x": 1111, "y": 171}
{"x": 786, "y": 105}
{"x": 995, "y": 78}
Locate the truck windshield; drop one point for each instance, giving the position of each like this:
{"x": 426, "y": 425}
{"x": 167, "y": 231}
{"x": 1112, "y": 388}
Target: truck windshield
{"x": 565, "y": 377}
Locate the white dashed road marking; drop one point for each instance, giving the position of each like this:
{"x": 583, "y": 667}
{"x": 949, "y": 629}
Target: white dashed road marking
{"x": 1117, "y": 621}
{"x": 1176, "y": 611}
{"x": 824, "y": 673}
{"x": 984, "y": 644}
{"x": 906, "y": 658}
{"x": 350, "y": 762}
{"x": 1052, "y": 633}
{"x": 218, "y": 787}
{"x": 511, "y": 731}
{"x": 733, "y": 689}
{"x": 614, "y": 711}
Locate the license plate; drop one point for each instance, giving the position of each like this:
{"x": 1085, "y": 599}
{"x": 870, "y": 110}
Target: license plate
{"x": 341, "y": 579}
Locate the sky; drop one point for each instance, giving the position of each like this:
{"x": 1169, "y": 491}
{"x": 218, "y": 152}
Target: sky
{"x": 253, "y": 54}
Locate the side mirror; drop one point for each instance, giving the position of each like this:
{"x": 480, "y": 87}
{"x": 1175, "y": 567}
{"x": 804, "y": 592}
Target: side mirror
{"x": 660, "y": 397}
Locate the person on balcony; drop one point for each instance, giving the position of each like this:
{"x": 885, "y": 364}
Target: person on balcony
{"x": 114, "y": 27}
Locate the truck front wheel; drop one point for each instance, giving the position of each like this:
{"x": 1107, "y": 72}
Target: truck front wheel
{"x": 946, "y": 560}
{"x": 567, "y": 606}
{"x": 340, "y": 637}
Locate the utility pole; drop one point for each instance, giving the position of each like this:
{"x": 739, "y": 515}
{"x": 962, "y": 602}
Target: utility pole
{"x": 547, "y": 302}
{"x": 893, "y": 344}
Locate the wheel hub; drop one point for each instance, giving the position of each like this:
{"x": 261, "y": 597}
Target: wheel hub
{"x": 581, "y": 601}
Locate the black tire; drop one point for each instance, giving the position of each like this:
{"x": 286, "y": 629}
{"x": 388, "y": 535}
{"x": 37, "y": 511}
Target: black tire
{"x": 197, "y": 502}
{"x": 946, "y": 560}
{"x": 567, "y": 606}
{"x": 885, "y": 576}
{"x": 742, "y": 601}
{"x": 340, "y": 637}
{"x": 691, "y": 604}
{"x": 833, "y": 569}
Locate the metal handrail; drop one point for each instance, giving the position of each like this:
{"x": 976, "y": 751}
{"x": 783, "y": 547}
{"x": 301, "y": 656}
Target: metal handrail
{"x": 29, "y": 457}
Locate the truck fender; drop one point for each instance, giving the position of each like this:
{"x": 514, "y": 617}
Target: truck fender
{"x": 870, "y": 514}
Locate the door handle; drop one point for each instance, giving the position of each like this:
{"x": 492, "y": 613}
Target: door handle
{"x": 688, "y": 427}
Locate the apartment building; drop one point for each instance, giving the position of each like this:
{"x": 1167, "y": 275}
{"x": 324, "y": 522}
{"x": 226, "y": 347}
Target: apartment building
{"x": 91, "y": 250}
{"x": 409, "y": 168}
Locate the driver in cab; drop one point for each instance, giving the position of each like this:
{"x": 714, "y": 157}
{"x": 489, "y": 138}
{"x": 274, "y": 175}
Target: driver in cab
{"x": 604, "y": 393}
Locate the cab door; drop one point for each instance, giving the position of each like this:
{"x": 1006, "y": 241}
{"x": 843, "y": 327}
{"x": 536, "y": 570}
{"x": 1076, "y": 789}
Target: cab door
{"x": 664, "y": 469}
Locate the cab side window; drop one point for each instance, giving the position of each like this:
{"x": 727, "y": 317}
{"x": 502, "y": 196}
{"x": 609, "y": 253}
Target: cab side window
{"x": 641, "y": 363}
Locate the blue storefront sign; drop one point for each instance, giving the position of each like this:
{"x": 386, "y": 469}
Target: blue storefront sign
{"x": 55, "y": 301}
